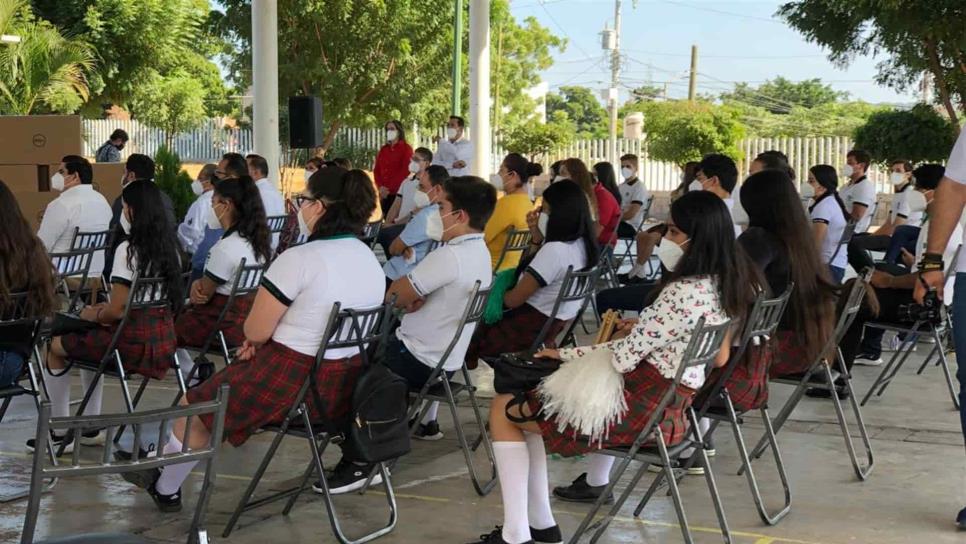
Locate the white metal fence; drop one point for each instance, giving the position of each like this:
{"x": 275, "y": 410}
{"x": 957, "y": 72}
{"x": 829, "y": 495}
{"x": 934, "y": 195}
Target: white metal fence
{"x": 206, "y": 143}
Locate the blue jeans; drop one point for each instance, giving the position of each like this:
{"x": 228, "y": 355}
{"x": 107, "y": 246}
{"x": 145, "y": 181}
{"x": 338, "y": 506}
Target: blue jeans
{"x": 904, "y": 236}
{"x": 837, "y": 274}
{"x": 959, "y": 339}
{"x": 11, "y": 364}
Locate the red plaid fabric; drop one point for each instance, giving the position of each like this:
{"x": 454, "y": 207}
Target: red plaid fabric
{"x": 748, "y": 384}
{"x": 264, "y": 388}
{"x": 515, "y": 332}
{"x": 290, "y": 232}
{"x": 643, "y": 389}
{"x": 790, "y": 356}
{"x": 147, "y": 344}
{"x": 197, "y": 323}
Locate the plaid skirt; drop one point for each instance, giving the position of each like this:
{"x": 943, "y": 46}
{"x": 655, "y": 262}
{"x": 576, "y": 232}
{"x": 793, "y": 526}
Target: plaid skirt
{"x": 643, "y": 388}
{"x": 147, "y": 344}
{"x": 264, "y": 388}
{"x": 515, "y": 332}
{"x": 790, "y": 356}
{"x": 197, "y": 323}
{"x": 748, "y": 384}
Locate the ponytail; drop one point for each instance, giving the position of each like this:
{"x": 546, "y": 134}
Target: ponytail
{"x": 349, "y": 198}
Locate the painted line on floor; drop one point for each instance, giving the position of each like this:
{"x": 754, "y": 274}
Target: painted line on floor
{"x": 431, "y": 479}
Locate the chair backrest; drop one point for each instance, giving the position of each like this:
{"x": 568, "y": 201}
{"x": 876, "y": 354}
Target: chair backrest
{"x": 646, "y": 209}
{"x": 847, "y": 234}
{"x": 348, "y": 328}
{"x": 17, "y": 314}
{"x": 276, "y": 223}
{"x": 370, "y": 233}
{"x": 577, "y": 286}
{"x": 146, "y": 293}
{"x": 853, "y": 304}
{"x": 517, "y": 241}
{"x": 245, "y": 283}
{"x": 143, "y": 423}
{"x": 472, "y": 314}
{"x": 93, "y": 240}
{"x": 73, "y": 265}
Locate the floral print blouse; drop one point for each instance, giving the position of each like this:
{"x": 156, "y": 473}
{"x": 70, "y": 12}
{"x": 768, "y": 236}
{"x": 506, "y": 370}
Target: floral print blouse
{"x": 664, "y": 330}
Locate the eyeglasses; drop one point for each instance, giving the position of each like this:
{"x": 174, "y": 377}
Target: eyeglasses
{"x": 301, "y": 199}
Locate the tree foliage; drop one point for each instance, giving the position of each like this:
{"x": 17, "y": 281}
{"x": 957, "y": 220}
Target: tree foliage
{"x": 173, "y": 180}
{"x": 915, "y": 36}
{"x": 781, "y": 95}
{"x": 833, "y": 119}
{"x": 918, "y": 134}
{"x": 681, "y": 131}
{"x": 174, "y": 104}
{"x": 537, "y": 139}
{"x": 580, "y": 107}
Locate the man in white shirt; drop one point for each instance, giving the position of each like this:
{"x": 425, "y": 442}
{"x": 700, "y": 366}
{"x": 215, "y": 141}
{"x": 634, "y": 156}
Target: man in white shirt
{"x": 192, "y": 230}
{"x": 455, "y": 153}
{"x": 718, "y": 174}
{"x": 859, "y": 193}
{"x": 634, "y": 196}
{"x": 79, "y": 206}
{"x": 272, "y": 198}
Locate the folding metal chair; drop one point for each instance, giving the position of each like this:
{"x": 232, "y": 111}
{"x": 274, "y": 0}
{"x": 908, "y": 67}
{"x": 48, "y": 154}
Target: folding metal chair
{"x": 71, "y": 266}
{"x": 346, "y": 329}
{"x": 939, "y": 332}
{"x": 517, "y": 241}
{"x": 16, "y": 319}
{"x": 847, "y": 234}
{"x": 97, "y": 242}
{"x": 760, "y": 327}
{"x": 436, "y": 244}
{"x": 649, "y": 447}
{"x": 370, "y": 233}
{"x": 820, "y": 375}
{"x": 276, "y": 223}
{"x": 578, "y": 286}
{"x": 245, "y": 283}
{"x": 106, "y": 464}
{"x": 632, "y": 241}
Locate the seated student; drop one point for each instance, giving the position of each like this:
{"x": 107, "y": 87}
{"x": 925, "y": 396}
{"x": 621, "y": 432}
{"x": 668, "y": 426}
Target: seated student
{"x": 608, "y": 205}
{"x": 290, "y": 232}
{"x": 191, "y": 231}
{"x": 435, "y": 295}
{"x": 858, "y": 194}
{"x": 771, "y": 160}
{"x": 237, "y": 209}
{"x": 829, "y": 217}
{"x": 24, "y": 267}
{"x": 512, "y": 209}
{"x": 404, "y": 207}
{"x": 419, "y": 233}
{"x": 555, "y": 172}
{"x": 633, "y": 197}
{"x": 576, "y": 171}
{"x": 284, "y": 330}
{"x": 147, "y": 343}
{"x": 709, "y": 278}
{"x": 900, "y": 214}
{"x": 231, "y": 166}
{"x": 563, "y": 238}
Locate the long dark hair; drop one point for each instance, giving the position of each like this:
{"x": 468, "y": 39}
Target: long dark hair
{"x": 713, "y": 251}
{"x": 606, "y": 177}
{"x": 570, "y": 220}
{"x": 348, "y": 197}
{"x": 151, "y": 241}
{"x": 250, "y": 220}
{"x": 24, "y": 264}
{"x": 827, "y": 177}
{"x": 578, "y": 173}
{"x": 397, "y": 124}
{"x": 772, "y": 203}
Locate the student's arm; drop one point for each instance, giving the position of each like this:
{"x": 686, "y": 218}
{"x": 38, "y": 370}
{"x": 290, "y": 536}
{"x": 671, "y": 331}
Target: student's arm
{"x": 858, "y": 211}
{"x": 394, "y": 211}
{"x": 883, "y": 280}
{"x": 631, "y": 211}
{"x": 437, "y": 269}
{"x": 266, "y": 312}
{"x": 524, "y": 289}
{"x": 202, "y": 290}
{"x": 820, "y": 231}
{"x": 52, "y": 225}
{"x": 406, "y": 295}
{"x": 397, "y": 246}
{"x": 107, "y": 313}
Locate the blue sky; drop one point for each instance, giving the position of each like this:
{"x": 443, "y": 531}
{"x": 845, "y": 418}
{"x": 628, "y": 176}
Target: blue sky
{"x": 737, "y": 41}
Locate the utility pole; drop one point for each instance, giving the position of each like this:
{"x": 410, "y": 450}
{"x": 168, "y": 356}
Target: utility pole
{"x": 615, "y": 69}
{"x": 457, "y": 58}
{"x": 693, "y": 79}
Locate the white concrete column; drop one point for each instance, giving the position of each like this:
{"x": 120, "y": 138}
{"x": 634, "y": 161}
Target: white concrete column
{"x": 480, "y": 87}
{"x": 265, "y": 82}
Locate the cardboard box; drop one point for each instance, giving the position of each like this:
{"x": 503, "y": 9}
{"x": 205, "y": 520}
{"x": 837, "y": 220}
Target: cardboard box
{"x": 21, "y": 177}
{"x": 39, "y": 139}
{"x": 107, "y": 179}
{"x": 33, "y": 204}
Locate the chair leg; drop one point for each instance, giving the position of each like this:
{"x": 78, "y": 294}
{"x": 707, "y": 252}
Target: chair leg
{"x": 132, "y": 404}
{"x": 881, "y": 380}
{"x": 482, "y": 488}
{"x": 766, "y": 517}
{"x": 784, "y": 413}
{"x": 245, "y": 503}
{"x": 895, "y": 370}
{"x": 673, "y": 487}
{"x": 589, "y": 522}
{"x": 860, "y": 472}
{"x": 944, "y": 363}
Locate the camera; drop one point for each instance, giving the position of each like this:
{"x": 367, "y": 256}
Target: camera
{"x": 930, "y": 311}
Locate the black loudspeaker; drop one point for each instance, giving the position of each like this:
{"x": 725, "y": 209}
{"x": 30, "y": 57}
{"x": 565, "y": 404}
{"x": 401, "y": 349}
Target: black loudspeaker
{"x": 304, "y": 122}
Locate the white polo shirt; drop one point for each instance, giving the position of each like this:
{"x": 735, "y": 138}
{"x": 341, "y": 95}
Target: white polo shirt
{"x": 634, "y": 193}
{"x": 901, "y": 209}
{"x": 78, "y": 207}
{"x": 549, "y": 267}
{"x": 955, "y": 239}
{"x": 273, "y": 202}
{"x": 448, "y": 152}
{"x": 407, "y": 192}
{"x": 225, "y": 257}
{"x": 730, "y": 204}
{"x": 445, "y": 279}
{"x": 956, "y": 171}
{"x": 311, "y": 277}
{"x": 827, "y": 211}
{"x": 862, "y": 192}
{"x": 122, "y": 273}
{"x": 192, "y": 231}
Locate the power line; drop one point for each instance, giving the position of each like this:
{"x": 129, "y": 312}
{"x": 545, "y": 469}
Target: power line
{"x": 722, "y": 12}
{"x": 732, "y": 57}
{"x": 561, "y": 28}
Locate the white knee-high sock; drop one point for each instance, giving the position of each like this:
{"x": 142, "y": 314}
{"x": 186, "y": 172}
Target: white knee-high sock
{"x": 598, "y": 472}
{"x": 704, "y": 424}
{"x": 538, "y": 485}
{"x": 513, "y": 467}
{"x": 184, "y": 361}
{"x": 172, "y": 476}
{"x": 58, "y": 387}
{"x": 94, "y": 404}
{"x": 432, "y": 413}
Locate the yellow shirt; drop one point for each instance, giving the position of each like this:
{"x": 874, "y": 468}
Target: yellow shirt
{"x": 510, "y": 212}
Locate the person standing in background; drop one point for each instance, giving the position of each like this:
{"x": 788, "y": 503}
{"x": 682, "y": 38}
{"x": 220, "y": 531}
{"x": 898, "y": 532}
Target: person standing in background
{"x": 455, "y": 153}
{"x": 110, "y": 151}
{"x": 392, "y": 163}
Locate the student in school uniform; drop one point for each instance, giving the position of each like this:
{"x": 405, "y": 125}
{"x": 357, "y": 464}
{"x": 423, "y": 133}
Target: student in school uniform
{"x": 404, "y": 207}
{"x": 147, "y": 344}
{"x": 829, "y": 216}
{"x": 858, "y": 195}
{"x": 633, "y": 197}
{"x": 413, "y": 243}
{"x": 284, "y": 330}
{"x": 236, "y": 207}
{"x": 901, "y": 213}
{"x": 563, "y": 237}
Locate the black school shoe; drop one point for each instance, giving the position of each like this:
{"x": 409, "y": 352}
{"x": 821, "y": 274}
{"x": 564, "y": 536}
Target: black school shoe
{"x": 428, "y": 431}
{"x": 581, "y": 491}
{"x": 347, "y": 477}
{"x": 824, "y": 393}
{"x": 165, "y": 503}
{"x": 495, "y": 537}
{"x": 550, "y": 535}
{"x": 961, "y": 520}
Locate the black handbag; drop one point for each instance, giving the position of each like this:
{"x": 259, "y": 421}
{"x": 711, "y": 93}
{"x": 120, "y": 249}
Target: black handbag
{"x": 64, "y": 323}
{"x": 516, "y": 374}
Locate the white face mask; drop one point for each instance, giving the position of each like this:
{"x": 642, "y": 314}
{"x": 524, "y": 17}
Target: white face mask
{"x": 414, "y": 167}
{"x": 197, "y": 188}
{"x": 917, "y": 202}
{"x": 124, "y": 180}
{"x": 695, "y": 186}
{"x": 392, "y": 134}
{"x": 308, "y": 174}
{"x": 421, "y": 199}
{"x": 542, "y": 223}
{"x": 303, "y": 226}
{"x": 897, "y": 178}
{"x": 557, "y": 178}
{"x": 496, "y": 180}
{"x": 434, "y": 226}
{"x": 627, "y": 172}
{"x": 125, "y": 223}
{"x": 57, "y": 182}
{"x": 807, "y": 191}
{"x": 846, "y": 171}
{"x": 670, "y": 253}
{"x": 212, "y": 219}
{"x": 451, "y": 133}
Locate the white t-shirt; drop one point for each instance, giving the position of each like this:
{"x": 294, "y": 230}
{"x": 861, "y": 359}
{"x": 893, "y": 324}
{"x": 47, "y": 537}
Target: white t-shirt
{"x": 730, "y": 204}
{"x": 123, "y": 274}
{"x": 862, "y": 192}
{"x": 956, "y": 171}
{"x": 445, "y": 279}
{"x": 407, "y": 192}
{"x": 78, "y": 207}
{"x": 634, "y": 193}
{"x": 192, "y": 231}
{"x": 225, "y": 257}
{"x": 311, "y": 277}
{"x": 448, "y": 152}
{"x": 948, "y": 254}
{"x": 549, "y": 267}
{"x": 827, "y": 211}
{"x": 272, "y": 201}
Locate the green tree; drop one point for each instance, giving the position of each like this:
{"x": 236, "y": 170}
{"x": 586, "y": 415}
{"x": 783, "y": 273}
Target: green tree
{"x": 682, "y": 131}
{"x": 918, "y": 134}
{"x": 582, "y": 109}
{"x": 175, "y": 104}
{"x": 781, "y": 95}
{"x": 915, "y": 36}
{"x": 832, "y": 119}
{"x": 538, "y": 139}
{"x": 173, "y": 180}
{"x": 46, "y": 72}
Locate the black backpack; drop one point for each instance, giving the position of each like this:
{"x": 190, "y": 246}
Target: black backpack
{"x": 378, "y": 428}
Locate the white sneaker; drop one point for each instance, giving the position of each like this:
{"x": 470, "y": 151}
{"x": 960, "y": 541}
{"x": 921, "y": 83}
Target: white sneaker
{"x": 865, "y": 359}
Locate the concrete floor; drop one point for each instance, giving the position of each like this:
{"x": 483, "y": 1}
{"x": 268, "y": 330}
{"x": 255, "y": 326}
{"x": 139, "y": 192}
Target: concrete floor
{"x": 918, "y": 484}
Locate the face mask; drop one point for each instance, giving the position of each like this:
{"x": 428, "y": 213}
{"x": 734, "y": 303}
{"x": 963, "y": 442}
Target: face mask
{"x": 807, "y": 191}
{"x": 451, "y": 133}
{"x": 670, "y": 253}
{"x": 391, "y": 135}
{"x": 308, "y": 175}
{"x": 917, "y": 202}
{"x": 434, "y": 226}
{"x": 695, "y": 186}
{"x": 897, "y": 178}
{"x": 557, "y": 178}
{"x": 421, "y": 199}
{"x": 627, "y": 172}
{"x": 197, "y": 188}
{"x": 303, "y": 226}
{"x": 124, "y": 180}
{"x": 57, "y": 182}
{"x": 125, "y": 223}
{"x": 846, "y": 171}
{"x": 119, "y": 146}
{"x": 542, "y": 223}
{"x": 212, "y": 219}
{"x": 496, "y": 180}
{"x": 414, "y": 167}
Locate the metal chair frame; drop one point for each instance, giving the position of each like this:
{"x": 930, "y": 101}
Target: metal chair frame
{"x": 276, "y": 223}
{"x": 847, "y": 234}
{"x": 370, "y": 233}
{"x": 577, "y": 286}
{"x": 345, "y": 329}
{"x": 107, "y": 465}
{"x": 517, "y": 241}
{"x": 632, "y": 241}
{"x": 71, "y": 265}
{"x": 94, "y": 241}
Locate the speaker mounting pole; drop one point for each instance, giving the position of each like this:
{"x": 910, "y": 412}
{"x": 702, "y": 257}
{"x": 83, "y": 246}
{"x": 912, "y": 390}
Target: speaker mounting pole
{"x": 265, "y": 83}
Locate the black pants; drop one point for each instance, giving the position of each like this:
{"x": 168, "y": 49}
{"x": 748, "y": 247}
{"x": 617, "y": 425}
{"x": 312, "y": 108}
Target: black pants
{"x": 386, "y": 203}
{"x": 406, "y": 365}
{"x": 629, "y": 297}
{"x": 626, "y": 230}
{"x": 889, "y": 302}
{"x": 861, "y": 245}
